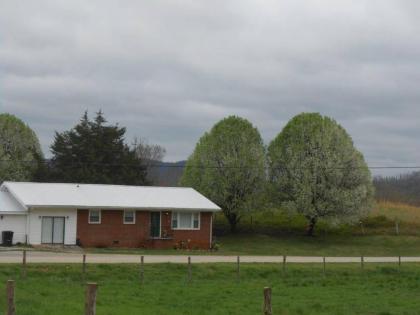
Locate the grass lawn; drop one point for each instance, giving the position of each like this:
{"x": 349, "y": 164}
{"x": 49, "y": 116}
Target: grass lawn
{"x": 345, "y": 289}
{"x": 375, "y": 245}
{"x": 332, "y": 245}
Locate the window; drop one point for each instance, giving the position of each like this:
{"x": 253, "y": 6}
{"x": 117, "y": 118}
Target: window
{"x": 196, "y": 220}
{"x": 185, "y": 220}
{"x": 94, "y": 216}
{"x": 129, "y": 217}
{"x": 174, "y": 220}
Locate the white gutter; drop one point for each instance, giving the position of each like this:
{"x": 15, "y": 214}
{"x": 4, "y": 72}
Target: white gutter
{"x": 13, "y": 213}
{"x": 146, "y": 208}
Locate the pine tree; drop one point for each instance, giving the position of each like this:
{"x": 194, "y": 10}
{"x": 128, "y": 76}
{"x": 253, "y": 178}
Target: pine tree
{"x": 95, "y": 152}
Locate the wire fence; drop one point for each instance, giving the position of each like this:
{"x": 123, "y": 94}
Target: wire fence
{"x": 236, "y": 271}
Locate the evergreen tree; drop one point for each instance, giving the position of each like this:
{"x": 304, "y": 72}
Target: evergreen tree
{"x": 95, "y": 152}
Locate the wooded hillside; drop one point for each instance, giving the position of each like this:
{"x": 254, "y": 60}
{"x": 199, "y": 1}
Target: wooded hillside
{"x": 403, "y": 188}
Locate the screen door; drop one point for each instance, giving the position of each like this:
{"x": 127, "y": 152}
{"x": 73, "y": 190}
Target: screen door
{"x": 52, "y": 230}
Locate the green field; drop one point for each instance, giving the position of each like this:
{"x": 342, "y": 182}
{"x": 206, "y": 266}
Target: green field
{"x": 276, "y": 234}
{"x": 381, "y": 221}
{"x": 376, "y": 245}
{"x": 304, "y": 289}
{"x": 332, "y": 245}
{"x": 285, "y": 236}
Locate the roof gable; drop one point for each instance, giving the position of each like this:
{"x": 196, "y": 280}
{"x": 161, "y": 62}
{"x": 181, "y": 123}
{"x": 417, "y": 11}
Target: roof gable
{"x": 8, "y": 204}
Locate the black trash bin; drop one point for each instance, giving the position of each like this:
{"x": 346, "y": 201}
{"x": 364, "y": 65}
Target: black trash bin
{"x": 7, "y": 238}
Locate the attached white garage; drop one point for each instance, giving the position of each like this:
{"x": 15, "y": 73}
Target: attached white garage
{"x": 35, "y": 225}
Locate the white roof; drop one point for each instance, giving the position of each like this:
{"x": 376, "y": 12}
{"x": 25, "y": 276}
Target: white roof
{"x": 62, "y": 195}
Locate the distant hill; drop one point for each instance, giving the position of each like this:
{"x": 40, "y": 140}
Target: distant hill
{"x": 166, "y": 173}
{"x": 403, "y": 188}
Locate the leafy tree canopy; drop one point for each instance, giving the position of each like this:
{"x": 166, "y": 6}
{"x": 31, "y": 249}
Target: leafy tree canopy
{"x": 20, "y": 152}
{"x": 95, "y": 152}
{"x": 316, "y": 170}
{"x": 227, "y": 166}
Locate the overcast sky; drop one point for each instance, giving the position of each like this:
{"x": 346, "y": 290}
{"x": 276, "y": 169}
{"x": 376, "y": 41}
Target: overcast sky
{"x": 168, "y": 70}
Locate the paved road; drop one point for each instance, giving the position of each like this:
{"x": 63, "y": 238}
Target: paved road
{"x": 53, "y": 257}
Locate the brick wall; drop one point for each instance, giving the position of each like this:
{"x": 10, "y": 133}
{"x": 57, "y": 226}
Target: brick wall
{"x": 112, "y": 232}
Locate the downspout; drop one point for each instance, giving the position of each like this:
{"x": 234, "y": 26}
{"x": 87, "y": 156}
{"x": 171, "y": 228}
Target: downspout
{"x": 211, "y": 229}
{"x": 27, "y": 229}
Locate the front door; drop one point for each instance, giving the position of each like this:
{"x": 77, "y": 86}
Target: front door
{"x": 154, "y": 224}
{"x": 52, "y": 230}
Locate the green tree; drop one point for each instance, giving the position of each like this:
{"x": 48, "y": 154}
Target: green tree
{"x": 316, "y": 170}
{"x": 227, "y": 166}
{"x": 20, "y": 152}
{"x": 95, "y": 152}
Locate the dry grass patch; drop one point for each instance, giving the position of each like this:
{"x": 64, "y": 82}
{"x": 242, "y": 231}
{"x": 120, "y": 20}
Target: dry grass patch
{"x": 397, "y": 211}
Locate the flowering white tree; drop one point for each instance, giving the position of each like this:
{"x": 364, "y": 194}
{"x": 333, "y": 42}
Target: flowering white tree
{"x": 315, "y": 170}
{"x": 20, "y": 151}
{"x": 228, "y": 166}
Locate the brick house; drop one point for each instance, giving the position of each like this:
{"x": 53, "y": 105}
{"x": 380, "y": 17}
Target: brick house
{"x": 92, "y": 215}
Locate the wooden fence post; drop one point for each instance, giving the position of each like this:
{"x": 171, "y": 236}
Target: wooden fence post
{"x": 362, "y": 262}
{"x": 84, "y": 264}
{"x": 10, "y": 294}
{"x": 90, "y": 302}
{"x": 267, "y": 309}
{"x": 189, "y": 269}
{"x": 399, "y": 263}
{"x": 24, "y": 263}
{"x": 237, "y": 268}
{"x": 284, "y": 265}
{"x": 141, "y": 269}
{"x": 324, "y": 263}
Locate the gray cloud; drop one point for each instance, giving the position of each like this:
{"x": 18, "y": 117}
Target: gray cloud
{"x": 168, "y": 70}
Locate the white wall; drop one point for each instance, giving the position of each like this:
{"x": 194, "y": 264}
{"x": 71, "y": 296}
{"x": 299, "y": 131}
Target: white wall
{"x": 35, "y": 224}
{"x": 15, "y": 223}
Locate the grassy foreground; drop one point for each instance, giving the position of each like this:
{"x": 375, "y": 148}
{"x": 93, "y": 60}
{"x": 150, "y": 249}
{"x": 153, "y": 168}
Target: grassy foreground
{"x": 345, "y": 289}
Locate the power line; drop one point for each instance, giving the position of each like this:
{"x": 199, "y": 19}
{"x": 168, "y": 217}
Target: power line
{"x": 163, "y": 165}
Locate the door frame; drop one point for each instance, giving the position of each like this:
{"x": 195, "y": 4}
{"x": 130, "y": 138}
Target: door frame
{"x": 160, "y": 225}
{"x": 52, "y": 229}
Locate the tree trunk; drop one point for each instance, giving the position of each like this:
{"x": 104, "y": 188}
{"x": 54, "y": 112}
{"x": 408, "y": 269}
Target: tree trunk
{"x": 233, "y": 221}
{"x": 311, "y": 226}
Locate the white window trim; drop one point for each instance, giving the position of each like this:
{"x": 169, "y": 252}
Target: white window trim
{"x": 134, "y": 216}
{"x": 192, "y": 220}
{"x": 100, "y": 217}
